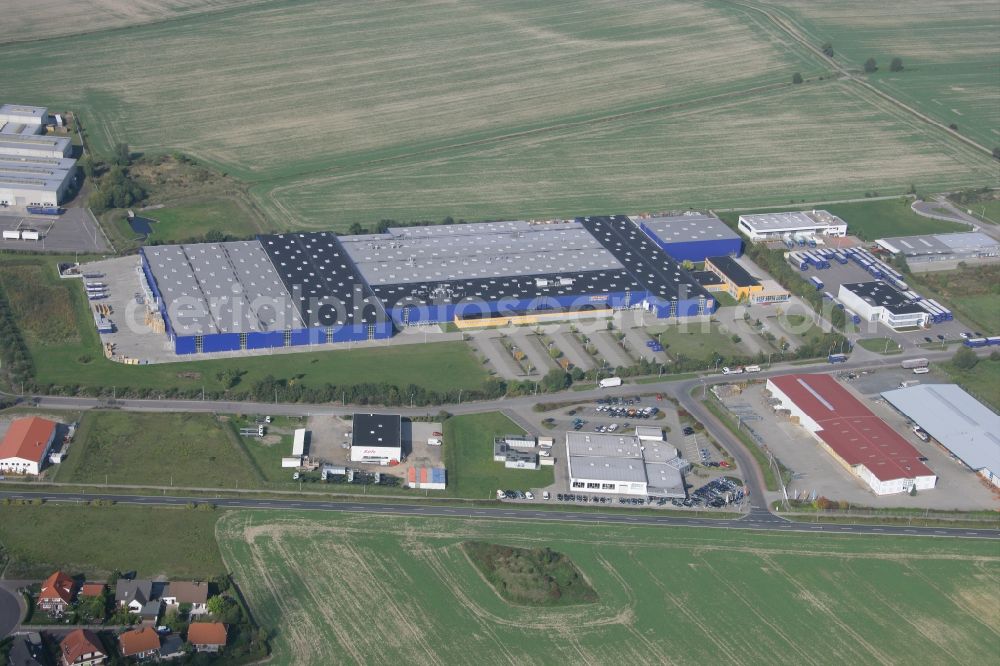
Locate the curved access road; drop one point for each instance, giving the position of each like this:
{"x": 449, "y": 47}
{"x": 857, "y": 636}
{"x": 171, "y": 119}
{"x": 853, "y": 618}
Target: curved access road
{"x": 756, "y": 520}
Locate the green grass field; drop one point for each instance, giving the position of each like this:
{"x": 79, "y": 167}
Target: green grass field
{"x": 666, "y": 595}
{"x": 949, "y": 58}
{"x": 691, "y": 341}
{"x": 154, "y": 541}
{"x": 65, "y": 347}
{"x": 468, "y": 456}
{"x": 194, "y": 220}
{"x": 336, "y": 113}
{"x": 193, "y": 450}
{"x": 972, "y": 292}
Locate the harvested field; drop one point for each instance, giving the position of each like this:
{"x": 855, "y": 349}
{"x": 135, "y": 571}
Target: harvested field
{"x": 949, "y": 52}
{"x": 665, "y": 596}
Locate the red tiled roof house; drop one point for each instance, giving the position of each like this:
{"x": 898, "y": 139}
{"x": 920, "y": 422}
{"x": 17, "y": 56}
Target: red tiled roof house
{"x": 26, "y": 445}
{"x": 56, "y": 594}
{"x": 207, "y": 636}
{"x": 81, "y": 648}
{"x": 140, "y": 643}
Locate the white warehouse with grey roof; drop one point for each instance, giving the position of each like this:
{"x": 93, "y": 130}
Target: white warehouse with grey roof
{"x": 623, "y": 465}
{"x": 35, "y": 169}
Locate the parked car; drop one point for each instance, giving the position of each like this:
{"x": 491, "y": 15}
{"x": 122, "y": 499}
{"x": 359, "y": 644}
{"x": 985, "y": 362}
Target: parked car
{"x": 545, "y": 495}
{"x": 529, "y": 495}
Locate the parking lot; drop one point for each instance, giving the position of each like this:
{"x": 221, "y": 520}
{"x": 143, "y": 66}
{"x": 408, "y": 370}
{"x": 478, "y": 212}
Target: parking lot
{"x": 817, "y": 474}
{"x": 73, "y": 231}
{"x": 839, "y": 274}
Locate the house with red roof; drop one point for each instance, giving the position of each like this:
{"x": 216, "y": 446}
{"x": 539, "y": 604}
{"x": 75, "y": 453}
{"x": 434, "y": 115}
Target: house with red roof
{"x": 856, "y": 438}
{"x": 140, "y": 644}
{"x": 26, "y": 445}
{"x": 56, "y": 594}
{"x": 81, "y": 647}
{"x": 207, "y": 636}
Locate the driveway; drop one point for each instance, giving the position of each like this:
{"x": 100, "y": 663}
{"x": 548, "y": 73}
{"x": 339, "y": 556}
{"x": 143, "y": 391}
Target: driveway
{"x": 607, "y": 347}
{"x": 636, "y": 339}
{"x": 529, "y": 343}
{"x": 488, "y": 344}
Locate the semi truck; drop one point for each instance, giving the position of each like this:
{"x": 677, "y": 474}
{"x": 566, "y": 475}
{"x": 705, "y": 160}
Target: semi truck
{"x": 816, "y": 282}
{"x": 608, "y": 382}
{"x": 911, "y": 363}
{"x": 45, "y": 210}
{"x": 837, "y": 358}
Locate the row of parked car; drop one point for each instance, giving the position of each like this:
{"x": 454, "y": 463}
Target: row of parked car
{"x": 638, "y": 501}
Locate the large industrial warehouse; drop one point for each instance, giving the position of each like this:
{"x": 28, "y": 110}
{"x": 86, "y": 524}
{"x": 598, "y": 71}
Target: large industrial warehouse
{"x": 623, "y": 465}
{"x": 799, "y": 225}
{"x": 315, "y": 288}
{"x": 959, "y": 422}
{"x": 861, "y": 442}
{"x": 925, "y": 251}
{"x": 878, "y": 301}
{"x": 691, "y": 236}
{"x": 35, "y": 169}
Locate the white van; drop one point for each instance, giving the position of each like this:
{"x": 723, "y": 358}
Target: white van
{"x": 921, "y": 371}
{"x": 433, "y": 441}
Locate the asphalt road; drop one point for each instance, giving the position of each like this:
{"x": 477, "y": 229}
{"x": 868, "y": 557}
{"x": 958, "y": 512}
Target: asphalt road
{"x": 757, "y": 520}
{"x": 10, "y": 612}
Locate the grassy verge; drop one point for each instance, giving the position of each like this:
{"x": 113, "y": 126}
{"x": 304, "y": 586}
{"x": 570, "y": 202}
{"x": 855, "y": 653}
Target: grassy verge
{"x": 880, "y": 345}
{"x": 982, "y": 381}
{"x": 99, "y": 539}
{"x": 468, "y": 455}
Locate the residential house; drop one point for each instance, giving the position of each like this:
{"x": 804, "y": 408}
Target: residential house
{"x": 26, "y": 445}
{"x": 137, "y": 596}
{"x": 207, "y": 636}
{"x": 82, "y": 648}
{"x": 56, "y": 594}
{"x": 141, "y": 643}
{"x": 91, "y": 590}
{"x": 186, "y": 592}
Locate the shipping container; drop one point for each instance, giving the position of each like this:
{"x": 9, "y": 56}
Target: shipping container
{"x": 11, "y": 235}
{"x": 816, "y": 282}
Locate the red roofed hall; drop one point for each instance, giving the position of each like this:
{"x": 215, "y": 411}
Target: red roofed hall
{"x": 56, "y": 594}
{"x": 207, "y": 636}
{"x": 26, "y": 445}
{"x": 858, "y": 439}
{"x": 82, "y": 647}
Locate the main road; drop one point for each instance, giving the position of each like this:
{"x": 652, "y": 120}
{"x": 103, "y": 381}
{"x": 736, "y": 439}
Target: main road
{"x": 756, "y": 520}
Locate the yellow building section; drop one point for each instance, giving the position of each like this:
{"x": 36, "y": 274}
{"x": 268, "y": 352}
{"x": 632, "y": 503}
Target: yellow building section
{"x": 738, "y": 283}
{"x": 530, "y": 319}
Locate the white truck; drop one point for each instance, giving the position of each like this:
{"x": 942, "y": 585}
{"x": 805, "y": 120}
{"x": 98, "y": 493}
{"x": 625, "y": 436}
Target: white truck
{"x": 732, "y": 371}
{"x": 752, "y": 368}
{"x": 433, "y": 441}
{"x": 608, "y": 382}
{"x": 912, "y": 363}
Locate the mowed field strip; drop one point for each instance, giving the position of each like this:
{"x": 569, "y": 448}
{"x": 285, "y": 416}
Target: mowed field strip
{"x": 666, "y": 596}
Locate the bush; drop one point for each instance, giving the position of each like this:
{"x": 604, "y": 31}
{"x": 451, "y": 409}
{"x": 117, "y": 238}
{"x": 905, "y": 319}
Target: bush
{"x": 796, "y": 78}
{"x": 871, "y": 66}
{"x": 896, "y": 65}
{"x": 965, "y": 359}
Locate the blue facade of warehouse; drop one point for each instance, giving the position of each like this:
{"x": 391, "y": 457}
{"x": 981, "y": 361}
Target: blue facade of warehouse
{"x": 314, "y": 268}
{"x": 692, "y": 237}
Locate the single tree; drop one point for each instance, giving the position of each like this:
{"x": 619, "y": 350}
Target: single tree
{"x": 996, "y": 152}
{"x": 355, "y": 229}
{"x": 796, "y": 78}
{"x": 953, "y": 127}
{"x": 896, "y": 65}
{"x": 871, "y": 66}
{"x": 123, "y": 157}
{"x": 965, "y": 359}
{"x": 827, "y": 49}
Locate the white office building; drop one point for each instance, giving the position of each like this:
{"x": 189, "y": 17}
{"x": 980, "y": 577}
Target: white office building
{"x": 878, "y": 301}
{"x": 623, "y": 465}
{"x": 778, "y": 226}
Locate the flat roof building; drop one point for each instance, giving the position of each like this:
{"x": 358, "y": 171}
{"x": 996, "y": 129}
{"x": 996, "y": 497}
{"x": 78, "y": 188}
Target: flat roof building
{"x": 959, "y": 422}
{"x": 35, "y": 145}
{"x": 879, "y": 301}
{"x": 377, "y": 439}
{"x": 35, "y": 169}
{"x": 691, "y": 236}
{"x": 623, "y": 464}
{"x": 776, "y": 226}
{"x": 24, "y": 114}
{"x": 861, "y": 442}
{"x": 932, "y": 248}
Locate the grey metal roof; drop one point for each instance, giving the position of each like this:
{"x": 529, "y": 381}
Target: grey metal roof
{"x": 62, "y": 163}
{"x": 32, "y": 176}
{"x": 688, "y": 227}
{"x": 603, "y": 444}
{"x": 37, "y": 142}
{"x": 448, "y": 253}
{"x": 941, "y": 244}
{"x": 23, "y": 111}
{"x": 625, "y": 470}
{"x": 625, "y": 459}
{"x": 968, "y": 428}
{"x": 221, "y": 288}
{"x": 664, "y": 479}
{"x": 18, "y": 128}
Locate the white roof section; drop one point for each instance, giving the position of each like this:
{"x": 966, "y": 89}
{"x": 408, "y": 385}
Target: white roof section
{"x": 28, "y": 176}
{"x": 61, "y": 163}
{"x": 19, "y": 128}
{"x": 23, "y": 113}
{"x": 14, "y": 142}
{"x": 792, "y": 221}
{"x": 441, "y": 253}
{"x": 687, "y": 227}
{"x": 221, "y": 288}
{"x": 649, "y": 432}
{"x": 623, "y": 459}
{"x": 603, "y": 444}
{"x": 964, "y": 425}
